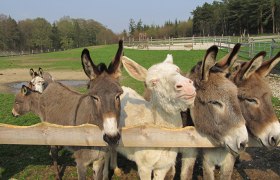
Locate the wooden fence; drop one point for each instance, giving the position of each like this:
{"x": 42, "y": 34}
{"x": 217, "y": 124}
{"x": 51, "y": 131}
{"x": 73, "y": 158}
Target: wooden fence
{"x": 90, "y": 135}
{"x": 27, "y": 52}
{"x": 250, "y": 45}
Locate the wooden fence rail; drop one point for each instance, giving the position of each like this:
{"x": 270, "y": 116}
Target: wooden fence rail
{"x": 90, "y": 135}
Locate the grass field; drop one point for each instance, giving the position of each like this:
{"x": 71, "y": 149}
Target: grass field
{"x": 34, "y": 162}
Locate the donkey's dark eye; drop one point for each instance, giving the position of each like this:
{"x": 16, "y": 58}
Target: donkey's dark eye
{"x": 216, "y": 103}
{"x": 251, "y": 101}
{"x": 18, "y": 102}
{"x": 95, "y": 98}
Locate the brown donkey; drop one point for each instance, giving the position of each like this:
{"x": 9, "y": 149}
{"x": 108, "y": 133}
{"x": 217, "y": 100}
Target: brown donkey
{"x": 255, "y": 99}
{"x": 100, "y": 106}
{"x": 216, "y": 113}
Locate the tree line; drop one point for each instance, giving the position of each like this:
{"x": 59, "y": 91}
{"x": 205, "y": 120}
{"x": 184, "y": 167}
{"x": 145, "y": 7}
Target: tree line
{"x": 237, "y": 17}
{"x": 169, "y": 29}
{"x": 225, "y": 17}
{"x": 39, "y": 34}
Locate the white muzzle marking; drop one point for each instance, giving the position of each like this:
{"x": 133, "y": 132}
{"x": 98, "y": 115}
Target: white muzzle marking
{"x": 110, "y": 126}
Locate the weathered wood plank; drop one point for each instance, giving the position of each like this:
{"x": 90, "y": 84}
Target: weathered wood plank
{"x": 90, "y": 135}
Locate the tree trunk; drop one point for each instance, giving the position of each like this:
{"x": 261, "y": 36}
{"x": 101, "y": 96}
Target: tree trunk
{"x": 273, "y": 18}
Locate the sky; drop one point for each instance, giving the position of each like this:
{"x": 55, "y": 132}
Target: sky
{"x": 113, "y": 14}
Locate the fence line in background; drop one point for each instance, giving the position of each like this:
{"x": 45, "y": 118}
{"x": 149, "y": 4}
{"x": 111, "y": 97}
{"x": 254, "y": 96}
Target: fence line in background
{"x": 20, "y": 53}
{"x": 251, "y": 45}
{"x": 90, "y": 135}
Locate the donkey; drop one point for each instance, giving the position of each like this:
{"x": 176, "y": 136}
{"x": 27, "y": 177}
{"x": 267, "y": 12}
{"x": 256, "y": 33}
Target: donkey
{"x": 255, "y": 98}
{"x": 255, "y": 101}
{"x": 100, "y": 106}
{"x": 40, "y": 79}
{"x": 219, "y": 108}
{"x": 171, "y": 93}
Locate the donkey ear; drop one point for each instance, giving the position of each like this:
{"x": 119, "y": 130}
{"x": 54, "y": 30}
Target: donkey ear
{"x": 208, "y": 62}
{"x": 250, "y": 67}
{"x": 89, "y": 68}
{"x": 32, "y": 73}
{"x": 168, "y": 59}
{"x": 135, "y": 70}
{"x": 228, "y": 60}
{"x": 267, "y": 66}
{"x": 40, "y": 71}
{"x": 114, "y": 67}
{"x": 24, "y": 90}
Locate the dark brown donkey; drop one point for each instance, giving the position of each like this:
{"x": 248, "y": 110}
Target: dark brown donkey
{"x": 100, "y": 106}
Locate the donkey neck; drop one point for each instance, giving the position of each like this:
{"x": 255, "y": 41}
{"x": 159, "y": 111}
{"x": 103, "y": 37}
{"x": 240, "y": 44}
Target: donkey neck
{"x": 35, "y": 104}
{"x": 164, "y": 118}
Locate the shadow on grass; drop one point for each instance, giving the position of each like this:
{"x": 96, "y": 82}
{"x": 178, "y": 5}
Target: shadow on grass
{"x": 15, "y": 159}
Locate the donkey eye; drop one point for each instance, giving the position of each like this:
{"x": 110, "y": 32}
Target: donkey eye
{"x": 95, "y": 98}
{"x": 216, "y": 103}
{"x": 18, "y": 102}
{"x": 251, "y": 101}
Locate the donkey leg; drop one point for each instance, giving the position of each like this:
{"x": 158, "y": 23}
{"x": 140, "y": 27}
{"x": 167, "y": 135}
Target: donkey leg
{"x": 54, "y": 154}
{"x": 227, "y": 167}
{"x": 171, "y": 173}
{"x": 81, "y": 170}
{"x": 208, "y": 170}
{"x": 188, "y": 161}
{"x": 159, "y": 174}
{"x": 99, "y": 170}
{"x": 144, "y": 173}
{"x": 114, "y": 163}
{"x": 83, "y": 159}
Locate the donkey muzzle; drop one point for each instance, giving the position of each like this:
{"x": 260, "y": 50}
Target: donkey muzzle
{"x": 112, "y": 140}
{"x": 14, "y": 113}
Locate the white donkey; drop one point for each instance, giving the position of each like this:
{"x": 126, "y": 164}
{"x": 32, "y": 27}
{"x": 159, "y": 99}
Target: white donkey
{"x": 171, "y": 93}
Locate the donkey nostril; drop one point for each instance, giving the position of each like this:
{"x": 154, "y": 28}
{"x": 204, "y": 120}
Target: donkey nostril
{"x": 190, "y": 81}
{"x": 242, "y": 146}
{"x": 112, "y": 140}
{"x": 273, "y": 141}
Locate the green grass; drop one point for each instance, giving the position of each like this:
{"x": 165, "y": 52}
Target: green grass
{"x": 34, "y": 162}
{"x": 276, "y": 105}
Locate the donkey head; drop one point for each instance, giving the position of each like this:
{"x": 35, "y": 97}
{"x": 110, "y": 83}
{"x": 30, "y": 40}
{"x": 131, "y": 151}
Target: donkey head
{"x": 23, "y": 100}
{"x": 216, "y": 111}
{"x": 105, "y": 90}
{"x": 255, "y": 99}
{"x": 168, "y": 88}
{"x": 37, "y": 83}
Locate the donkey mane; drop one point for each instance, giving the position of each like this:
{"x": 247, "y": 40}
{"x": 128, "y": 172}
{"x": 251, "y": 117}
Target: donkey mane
{"x": 68, "y": 89}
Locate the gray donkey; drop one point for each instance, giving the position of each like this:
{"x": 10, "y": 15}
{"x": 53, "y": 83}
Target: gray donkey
{"x": 100, "y": 106}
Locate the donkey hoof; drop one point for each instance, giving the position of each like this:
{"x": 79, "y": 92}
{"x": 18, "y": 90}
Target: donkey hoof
{"x": 118, "y": 172}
